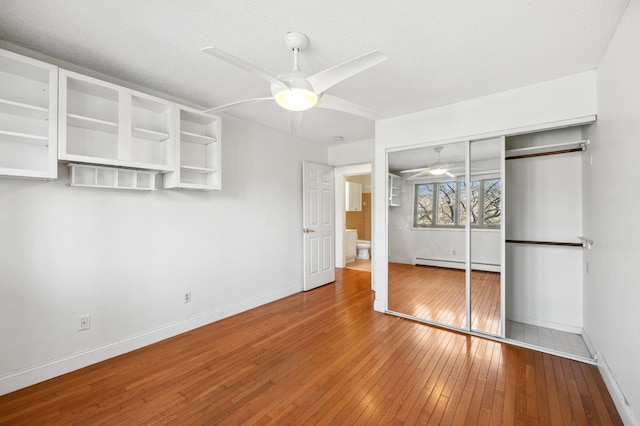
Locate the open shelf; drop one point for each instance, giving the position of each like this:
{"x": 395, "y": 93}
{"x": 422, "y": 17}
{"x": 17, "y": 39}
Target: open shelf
{"x": 28, "y": 125}
{"x": 190, "y": 169}
{"x": 16, "y": 137}
{"x": 150, "y": 135}
{"x": 23, "y": 110}
{"x": 91, "y": 176}
{"x": 196, "y": 138}
{"x": 92, "y": 123}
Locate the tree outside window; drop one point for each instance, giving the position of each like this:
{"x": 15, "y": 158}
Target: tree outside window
{"x": 445, "y": 204}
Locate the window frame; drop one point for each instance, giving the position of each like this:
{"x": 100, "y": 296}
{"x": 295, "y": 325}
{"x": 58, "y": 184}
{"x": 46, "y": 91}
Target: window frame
{"x": 436, "y": 206}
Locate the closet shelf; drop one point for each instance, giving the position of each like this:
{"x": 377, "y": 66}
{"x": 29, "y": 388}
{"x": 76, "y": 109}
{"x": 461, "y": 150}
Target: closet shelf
{"x": 542, "y": 150}
{"x": 24, "y": 110}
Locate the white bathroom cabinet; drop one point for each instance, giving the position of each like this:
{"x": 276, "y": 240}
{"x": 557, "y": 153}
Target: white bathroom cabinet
{"x": 353, "y": 196}
{"x": 28, "y": 112}
{"x": 197, "y": 151}
{"x": 395, "y": 190}
{"x": 102, "y": 123}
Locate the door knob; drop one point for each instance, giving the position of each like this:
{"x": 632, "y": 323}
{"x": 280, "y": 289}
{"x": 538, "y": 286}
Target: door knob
{"x": 307, "y": 230}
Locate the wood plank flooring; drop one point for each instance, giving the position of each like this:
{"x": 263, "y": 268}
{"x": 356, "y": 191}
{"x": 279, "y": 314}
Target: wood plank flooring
{"x": 321, "y": 357}
{"x": 438, "y": 294}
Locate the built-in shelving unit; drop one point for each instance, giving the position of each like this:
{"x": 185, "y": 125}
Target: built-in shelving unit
{"x": 395, "y": 191}
{"x": 102, "y": 123}
{"x": 198, "y": 152}
{"x": 49, "y": 114}
{"x": 28, "y": 126}
{"x": 111, "y": 177}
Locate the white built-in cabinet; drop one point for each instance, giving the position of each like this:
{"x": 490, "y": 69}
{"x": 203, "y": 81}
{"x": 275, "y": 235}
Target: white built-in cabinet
{"x": 395, "y": 190}
{"x": 197, "y": 151}
{"x": 353, "y": 196}
{"x": 102, "y": 123}
{"x": 28, "y": 113}
{"x": 49, "y": 114}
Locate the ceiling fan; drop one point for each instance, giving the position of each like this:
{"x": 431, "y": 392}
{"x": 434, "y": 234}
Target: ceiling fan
{"x": 297, "y": 91}
{"x": 436, "y": 169}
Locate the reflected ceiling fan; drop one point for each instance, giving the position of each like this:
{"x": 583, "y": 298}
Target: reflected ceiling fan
{"x": 437, "y": 169}
{"x": 297, "y": 91}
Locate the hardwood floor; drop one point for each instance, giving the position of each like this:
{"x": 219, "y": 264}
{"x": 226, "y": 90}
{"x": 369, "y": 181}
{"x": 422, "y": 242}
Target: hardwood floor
{"x": 321, "y": 357}
{"x": 438, "y": 294}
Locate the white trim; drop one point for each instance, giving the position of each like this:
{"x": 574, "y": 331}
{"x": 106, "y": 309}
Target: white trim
{"x": 57, "y": 367}
{"x": 455, "y": 264}
{"x": 624, "y": 409}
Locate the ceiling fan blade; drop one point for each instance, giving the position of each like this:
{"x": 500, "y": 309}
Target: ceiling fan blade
{"x": 334, "y": 75}
{"x": 327, "y": 101}
{"x": 451, "y": 175}
{"x": 417, "y": 175}
{"x": 246, "y": 66}
{"x": 295, "y": 119}
{"x": 236, "y": 104}
{"x": 421, "y": 169}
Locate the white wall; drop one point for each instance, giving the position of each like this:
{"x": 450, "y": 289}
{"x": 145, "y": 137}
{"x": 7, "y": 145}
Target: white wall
{"x": 346, "y": 154}
{"x": 127, "y": 257}
{"x": 612, "y": 285}
{"x": 548, "y": 104}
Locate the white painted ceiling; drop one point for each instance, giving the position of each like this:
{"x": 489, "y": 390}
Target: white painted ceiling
{"x": 440, "y": 51}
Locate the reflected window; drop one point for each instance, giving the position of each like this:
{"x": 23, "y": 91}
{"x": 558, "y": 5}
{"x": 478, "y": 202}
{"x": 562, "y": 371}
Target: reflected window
{"x": 444, "y": 204}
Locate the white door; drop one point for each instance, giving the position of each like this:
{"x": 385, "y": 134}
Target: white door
{"x": 318, "y": 225}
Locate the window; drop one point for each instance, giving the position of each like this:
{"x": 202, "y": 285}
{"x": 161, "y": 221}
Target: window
{"x": 445, "y": 204}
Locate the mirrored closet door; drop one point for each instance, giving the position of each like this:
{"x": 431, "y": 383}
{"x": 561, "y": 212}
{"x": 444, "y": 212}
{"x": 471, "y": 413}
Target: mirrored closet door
{"x": 445, "y": 239}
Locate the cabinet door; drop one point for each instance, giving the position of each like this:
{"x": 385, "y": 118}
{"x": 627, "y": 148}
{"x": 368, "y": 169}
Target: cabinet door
{"x": 353, "y": 194}
{"x": 28, "y": 117}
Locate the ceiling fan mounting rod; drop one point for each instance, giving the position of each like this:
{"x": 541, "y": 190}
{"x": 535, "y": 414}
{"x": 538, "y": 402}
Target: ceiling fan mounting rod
{"x": 297, "y": 42}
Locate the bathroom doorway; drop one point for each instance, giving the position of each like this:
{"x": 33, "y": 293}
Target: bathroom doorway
{"x": 353, "y": 217}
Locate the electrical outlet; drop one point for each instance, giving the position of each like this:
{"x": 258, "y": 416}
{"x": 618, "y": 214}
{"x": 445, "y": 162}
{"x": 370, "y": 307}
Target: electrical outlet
{"x": 84, "y": 322}
{"x": 453, "y": 252}
{"x": 187, "y": 297}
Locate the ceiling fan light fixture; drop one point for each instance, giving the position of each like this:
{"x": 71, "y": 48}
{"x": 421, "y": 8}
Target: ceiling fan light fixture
{"x": 295, "y": 99}
{"x": 439, "y": 171}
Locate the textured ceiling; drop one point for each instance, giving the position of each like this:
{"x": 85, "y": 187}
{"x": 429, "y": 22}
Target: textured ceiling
{"x": 440, "y": 51}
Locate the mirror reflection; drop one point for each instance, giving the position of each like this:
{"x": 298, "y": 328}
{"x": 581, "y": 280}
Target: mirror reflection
{"x": 430, "y": 202}
{"x": 427, "y": 244}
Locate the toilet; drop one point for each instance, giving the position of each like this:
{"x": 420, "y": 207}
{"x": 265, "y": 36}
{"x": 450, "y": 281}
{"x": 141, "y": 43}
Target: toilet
{"x": 363, "y": 247}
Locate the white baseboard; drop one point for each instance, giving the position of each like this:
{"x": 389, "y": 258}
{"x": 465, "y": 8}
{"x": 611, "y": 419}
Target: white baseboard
{"x": 455, "y": 264}
{"x": 625, "y": 411}
{"x": 38, "y": 373}
{"x": 548, "y": 324}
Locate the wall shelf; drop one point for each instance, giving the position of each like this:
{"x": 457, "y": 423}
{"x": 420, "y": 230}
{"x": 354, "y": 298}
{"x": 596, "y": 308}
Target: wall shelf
{"x": 91, "y": 176}
{"x": 196, "y": 138}
{"x": 24, "y": 110}
{"x": 28, "y": 117}
{"x": 26, "y": 138}
{"x": 150, "y": 135}
{"x": 197, "y": 169}
{"x": 92, "y": 123}
{"x": 197, "y": 151}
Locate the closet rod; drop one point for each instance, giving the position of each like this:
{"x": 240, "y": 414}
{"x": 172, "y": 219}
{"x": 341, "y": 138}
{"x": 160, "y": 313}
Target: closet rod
{"x": 542, "y": 154}
{"x": 545, "y": 243}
